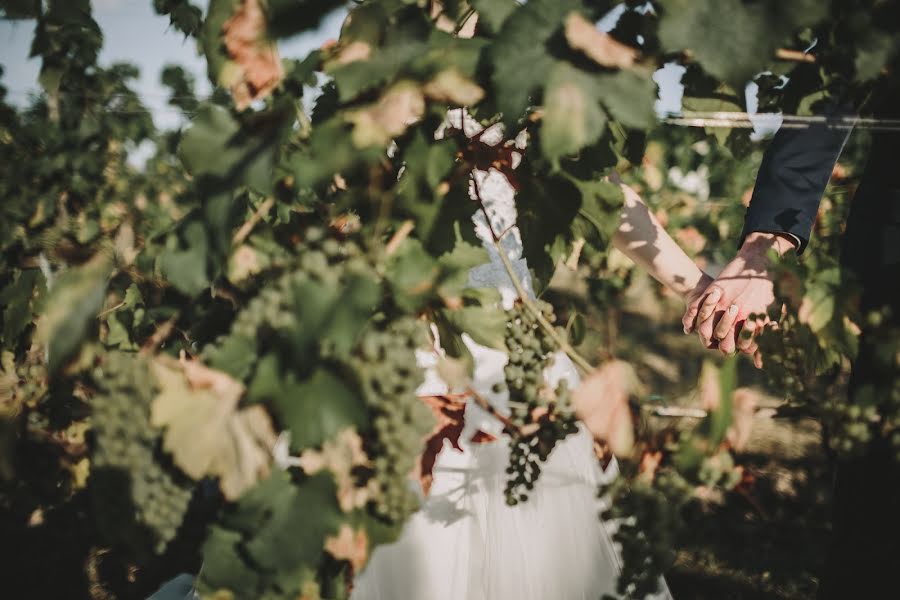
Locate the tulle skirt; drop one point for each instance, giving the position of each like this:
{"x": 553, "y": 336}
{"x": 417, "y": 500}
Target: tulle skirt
{"x": 466, "y": 543}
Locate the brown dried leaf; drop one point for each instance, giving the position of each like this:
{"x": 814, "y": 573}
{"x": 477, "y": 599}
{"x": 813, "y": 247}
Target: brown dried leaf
{"x": 204, "y": 431}
{"x": 600, "y": 47}
{"x": 601, "y": 402}
{"x": 340, "y": 456}
{"x": 449, "y": 413}
{"x": 349, "y": 545}
{"x": 256, "y": 69}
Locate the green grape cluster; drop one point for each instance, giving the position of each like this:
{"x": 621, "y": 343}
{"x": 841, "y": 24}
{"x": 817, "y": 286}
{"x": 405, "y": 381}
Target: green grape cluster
{"x": 140, "y": 500}
{"x": 386, "y": 366}
{"x": 648, "y": 517}
{"x": 850, "y": 425}
{"x": 322, "y": 258}
{"x": 540, "y": 416}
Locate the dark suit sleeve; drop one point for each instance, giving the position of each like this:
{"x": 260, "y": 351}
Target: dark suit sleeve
{"x": 791, "y": 180}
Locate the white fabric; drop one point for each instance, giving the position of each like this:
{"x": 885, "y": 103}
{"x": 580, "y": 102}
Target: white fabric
{"x": 466, "y": 543}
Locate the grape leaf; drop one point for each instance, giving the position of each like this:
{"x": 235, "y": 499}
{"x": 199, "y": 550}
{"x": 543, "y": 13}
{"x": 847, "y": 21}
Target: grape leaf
{"x": 297, "y": 520}
{"x": 520, "y": 57}
{"x": 219, "y": 150}
{"x": 318, "y": 408}
{"x": 17, "y": 300}
{"x": 572, "y": 116}
{"x": 486, "y": 325}
{"x": 204, "y": 431}
{"x": 72, "y": 306}
{"x": 738, "y": 38}
{"x": 492, "y": 13}
{"x": 629, "y": 97}
{"x": 224, "y": 567}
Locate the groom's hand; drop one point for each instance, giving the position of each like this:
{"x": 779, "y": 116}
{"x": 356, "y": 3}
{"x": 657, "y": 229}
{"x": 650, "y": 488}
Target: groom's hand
{"x": 744, "y": 287}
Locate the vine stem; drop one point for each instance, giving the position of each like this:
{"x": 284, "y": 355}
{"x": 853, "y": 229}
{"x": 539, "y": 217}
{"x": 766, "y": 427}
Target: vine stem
{"x": 581, "y": 362}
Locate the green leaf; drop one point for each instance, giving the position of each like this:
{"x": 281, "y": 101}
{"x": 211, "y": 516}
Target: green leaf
{"x": 221, "y": 153}
{"x": 17, "y": 300}
{"x": 572, "y": 117}
{"x": 402, "y": 45}
{"x": 521, "y": 57}
{"x": 118, "y": 335}
{"x": 332, "y": 315}
{"x": 71, "y": 310}
{"x": 711, "y": 104}
{"x": 187, "y": 269}
{"x": 235, "y": 355}
{"x": 629, "y": 98}
{"x": 290, "y": 17}
{"x": 601, "y": 207}
{"x": 546, "y": 234}
{"x": 486, "y": 325}
{"x": 873, "y": 53}
{"x": 224, "y": 567}
{"x": 492, "y": 13}
{"x": 412, "y": 274}
{"x": 455, "y": 267}
{"x": 576, "y": 329}
{"x": 19, "y": 9}
{"x": 734, "y": 40}
{"x": 299, "y": 517}
{"x": 817, "y": 307}
{"x": 270, "y": 538}
{"x": 318, "y": 408}
{"x": 210, "y": 36}
{"x": 721, "y": 416}
{"x": 133, "y": 297}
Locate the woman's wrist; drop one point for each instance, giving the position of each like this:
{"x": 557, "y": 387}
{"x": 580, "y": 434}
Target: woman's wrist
{"x": 700, "y": 283}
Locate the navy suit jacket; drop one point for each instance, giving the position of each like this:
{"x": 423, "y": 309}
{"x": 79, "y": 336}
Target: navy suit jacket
{"x": 791, "y": 180}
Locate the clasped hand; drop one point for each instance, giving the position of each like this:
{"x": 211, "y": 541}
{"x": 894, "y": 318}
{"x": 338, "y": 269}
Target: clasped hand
{"x": 731, "y": 312}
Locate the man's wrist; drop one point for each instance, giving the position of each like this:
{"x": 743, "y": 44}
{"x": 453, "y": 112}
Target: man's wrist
{"x": 760, "y": 243}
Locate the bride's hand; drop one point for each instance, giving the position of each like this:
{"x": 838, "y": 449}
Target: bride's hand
{"x": 698, "y": 291}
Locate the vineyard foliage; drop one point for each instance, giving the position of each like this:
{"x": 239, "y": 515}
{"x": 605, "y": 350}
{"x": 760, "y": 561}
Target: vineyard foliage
{"x": 228, "y": 335}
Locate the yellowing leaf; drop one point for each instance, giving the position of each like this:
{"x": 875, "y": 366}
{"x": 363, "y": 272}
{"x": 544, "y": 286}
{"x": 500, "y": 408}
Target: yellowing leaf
{"x": 454, "y": 88}
{"x": 745, "y": 402}
{"x": 817, "y": 308}
{"x": 601, "y": 402}
{"x": 597, "y": 45}
{"x": 399, "y": 107}
{"x": 256, "y": 69}
{"x": 349, "y": 545}
{"x": 708, "y": 387}
{"x": 245, "y": 262}
{"x": 352, "y": 52}
{"x": 204, "y": 431}
{"x": 340, "y": 456}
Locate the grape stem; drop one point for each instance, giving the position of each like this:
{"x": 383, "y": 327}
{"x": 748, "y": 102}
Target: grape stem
{"x": 255, "y": 218}
{"x": 159, "y": 336}
{"x": 561, "y": 343}
{"x": 482, "y": 402}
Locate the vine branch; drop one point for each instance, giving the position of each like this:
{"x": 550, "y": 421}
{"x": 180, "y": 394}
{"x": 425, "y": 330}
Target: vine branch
{"x": 526, "y": 300}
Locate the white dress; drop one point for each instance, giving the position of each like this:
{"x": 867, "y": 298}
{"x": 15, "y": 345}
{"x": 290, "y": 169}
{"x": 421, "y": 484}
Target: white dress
{"x": 466, "y": 543}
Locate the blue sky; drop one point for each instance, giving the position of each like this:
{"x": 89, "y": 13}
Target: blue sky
{"x": 134, "y": 33}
